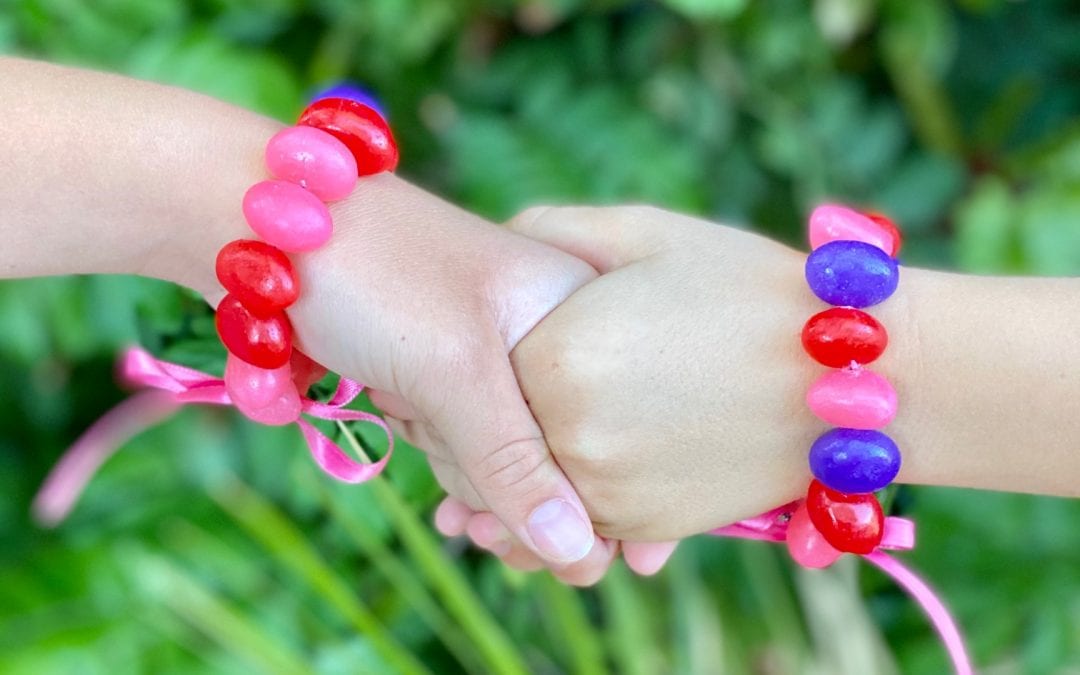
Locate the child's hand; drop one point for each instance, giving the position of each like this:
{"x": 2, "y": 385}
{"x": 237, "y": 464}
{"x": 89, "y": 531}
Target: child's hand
{"x": 423, "y": 302}
{"x": 671, "y": 389}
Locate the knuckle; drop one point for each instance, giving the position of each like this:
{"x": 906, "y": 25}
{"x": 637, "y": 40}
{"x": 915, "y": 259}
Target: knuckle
{"x": 513, "y": 467}
{"x": 533, "y": 215}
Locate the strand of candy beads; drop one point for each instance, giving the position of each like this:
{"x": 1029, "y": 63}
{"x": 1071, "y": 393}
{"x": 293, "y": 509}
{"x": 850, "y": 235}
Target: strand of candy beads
{"x": 852, "y": 266}
{"x": 319, "y": 160}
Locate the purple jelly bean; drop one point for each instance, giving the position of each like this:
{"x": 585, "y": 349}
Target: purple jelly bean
{"x": 353, "y": 92}
{"x": 851, "y": 273}
{"x": 854, "y": 461}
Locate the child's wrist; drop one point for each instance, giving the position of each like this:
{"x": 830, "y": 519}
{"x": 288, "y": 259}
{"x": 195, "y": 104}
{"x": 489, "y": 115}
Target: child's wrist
{"x": 219, "y": 163}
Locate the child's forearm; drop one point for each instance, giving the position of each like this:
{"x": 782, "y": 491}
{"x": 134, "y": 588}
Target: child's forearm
{"x": 104, "y": 174}
{"x": 988, "y": 373}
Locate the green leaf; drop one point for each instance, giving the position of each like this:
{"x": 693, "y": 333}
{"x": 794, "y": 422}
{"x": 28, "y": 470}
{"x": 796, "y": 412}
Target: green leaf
{"x": 986, "y": 228}
{"x": 707, "y": 9}
{"x": 203, "y": 62}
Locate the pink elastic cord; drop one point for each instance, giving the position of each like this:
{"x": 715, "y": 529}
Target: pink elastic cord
{"x": 899, "y": 535}
{"x": 171, "y": 386}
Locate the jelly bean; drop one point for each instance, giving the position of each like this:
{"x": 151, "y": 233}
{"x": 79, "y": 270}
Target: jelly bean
{"x": 854, "y": 398}
{"x": 891, "y": 229}
{"x": 353, "y": 92}
{"x": 854, "y": 461}
{"x": 360, "y": 128}
{"x": 831, "y": 222}
{"x": 851, "y": 273}
{"x": 850, "y": 523}
{"x": 313, "y": 159}
{"x": 260, "y": 276}
{"x": 842, "y": 335}
{"x": 305, "y": 371}
{"x": 805, "y": 544}
{"x": 287, "y": 216}
{"x": 265, "y": 342}
{"x": 266, "y": 396}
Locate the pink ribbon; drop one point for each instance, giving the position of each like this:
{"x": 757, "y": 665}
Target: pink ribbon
{"x": 899, "y": 535}
{"x": 171, "y": 386}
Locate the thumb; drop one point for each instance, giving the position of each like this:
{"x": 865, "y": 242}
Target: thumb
{"x": 489, "y": 429}
{"x": 605, "y": 237}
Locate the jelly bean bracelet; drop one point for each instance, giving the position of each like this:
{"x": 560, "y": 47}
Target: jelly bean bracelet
{"x": 852, "y": 266}
{"x": 336, "y": 141}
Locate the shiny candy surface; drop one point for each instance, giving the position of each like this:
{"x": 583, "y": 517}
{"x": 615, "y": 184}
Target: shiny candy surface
{"x": 854, "y": 398}
{"x": 313, "y": 159}
{"x": 891, "y": 229}
{"x": 287, "y": 216}
{"x": 840, "y": 335}
{"x": 260, "y": 276}
{"x": 265, "y": 342}
{"x": 360, "y": 128}
{"x": 832, "y": 222}
{"x": 851, "y": 274}
{"x": 266, "y": 396}
{"x": 854, "y": 461}
{"x": 850, "y": 523}
{"x": 806, "y": 545}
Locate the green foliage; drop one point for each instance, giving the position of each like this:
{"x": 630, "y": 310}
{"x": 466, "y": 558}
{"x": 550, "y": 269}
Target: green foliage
{"x": 209, "y": 545}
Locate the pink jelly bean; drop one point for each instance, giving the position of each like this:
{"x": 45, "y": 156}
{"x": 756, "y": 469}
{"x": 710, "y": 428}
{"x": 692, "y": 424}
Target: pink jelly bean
{"x": 287, "y": 216}
{"x": 855, "y": 398}
{"x": 831, "y": 222}
{"x": 805, "y": 544}
{"x": 312, "y": 159}
{"x": 266, "y": 396}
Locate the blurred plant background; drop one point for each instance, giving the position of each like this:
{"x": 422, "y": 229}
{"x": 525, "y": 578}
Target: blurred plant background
{"x": 211, "y": 545}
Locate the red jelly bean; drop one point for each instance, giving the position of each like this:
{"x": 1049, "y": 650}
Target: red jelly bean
{"x": 265, "y": 342}
{"x": 840, "y": 335}
{"x": 890, "y": 228}
{"x": 260, "y": 276}
{"x": 360, "y": 128}
{"x": 850, "y": 523}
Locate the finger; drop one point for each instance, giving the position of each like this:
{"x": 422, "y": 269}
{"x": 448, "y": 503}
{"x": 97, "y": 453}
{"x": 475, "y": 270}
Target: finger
{"x": 421, "y": 436}
{"x": 392, "y": 405}
{"x": 592, "y": 567}
{"x": 406, "y": 431}
{"x": 487, "y": 532}
{"x": 606, "y": 238}
{"x": 647, "y": 558}
{"x": 451, "y": 479}
{"x": 452, "y": 517}
{"x": 522, "y": 559}
{"x": 501, "y": 450}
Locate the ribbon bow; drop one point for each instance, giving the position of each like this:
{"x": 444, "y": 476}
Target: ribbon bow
{"x": 170, "y": 386}
{"x": 899, "y": 535}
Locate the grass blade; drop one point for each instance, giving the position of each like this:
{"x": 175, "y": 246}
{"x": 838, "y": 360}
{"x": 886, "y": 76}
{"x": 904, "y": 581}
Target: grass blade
{"x": 280, "y": 536}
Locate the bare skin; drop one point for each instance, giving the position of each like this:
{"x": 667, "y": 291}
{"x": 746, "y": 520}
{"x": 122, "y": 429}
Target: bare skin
{"x": 671, "y": 388}
{"x": 413, "y": 296}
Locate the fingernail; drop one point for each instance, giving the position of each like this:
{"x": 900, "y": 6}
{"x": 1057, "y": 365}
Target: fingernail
{"x": 559, "y": 533}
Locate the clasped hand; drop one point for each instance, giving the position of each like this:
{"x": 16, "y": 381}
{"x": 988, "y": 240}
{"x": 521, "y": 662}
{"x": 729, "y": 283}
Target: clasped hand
{"x": 661, "y": 383}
